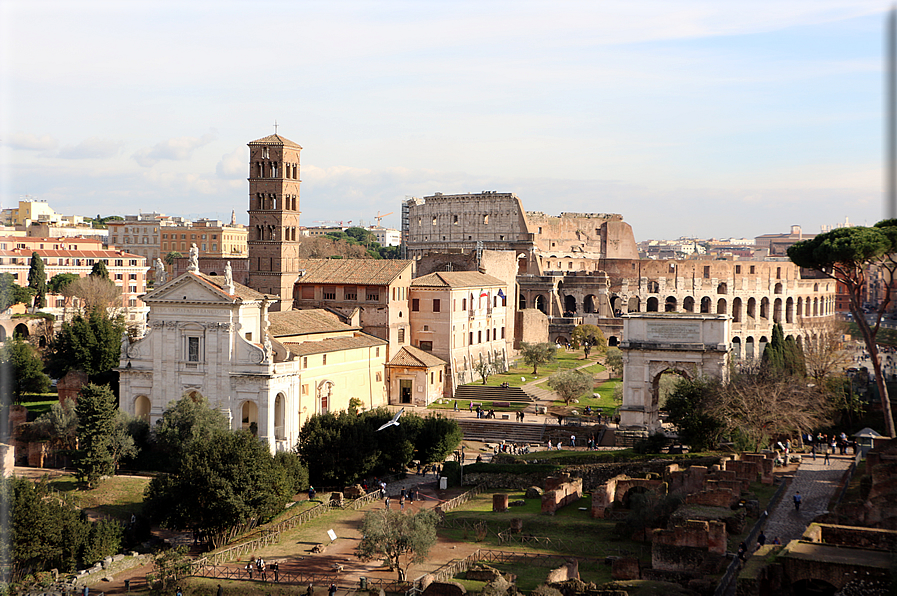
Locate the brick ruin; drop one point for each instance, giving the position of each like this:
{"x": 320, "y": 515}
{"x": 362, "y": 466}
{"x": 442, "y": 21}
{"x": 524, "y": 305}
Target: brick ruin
{"x": 560, "y": 491}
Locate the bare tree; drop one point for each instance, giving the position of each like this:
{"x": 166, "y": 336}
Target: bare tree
{"x": 762, "y": 407}
{"x": 94, "y": 292}
{"x": 824, "y": 356}
{"x": 484, "y": 368}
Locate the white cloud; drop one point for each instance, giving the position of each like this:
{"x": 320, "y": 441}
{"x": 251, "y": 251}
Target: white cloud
{"x": 177, "y": 149}
{"x": 92, "y": 148}
{"x": 233, "y": 165}
{"x": 22, "y": 140}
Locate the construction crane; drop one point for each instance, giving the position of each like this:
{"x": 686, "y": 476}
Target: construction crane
{"x": 378, "y": 217}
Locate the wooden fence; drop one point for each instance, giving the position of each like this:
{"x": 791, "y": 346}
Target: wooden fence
{"x": 462, "y": 498}
{"x": 199, "y": 569}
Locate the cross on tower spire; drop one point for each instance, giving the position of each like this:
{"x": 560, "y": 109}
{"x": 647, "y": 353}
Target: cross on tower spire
{"x": 275, "y": 127}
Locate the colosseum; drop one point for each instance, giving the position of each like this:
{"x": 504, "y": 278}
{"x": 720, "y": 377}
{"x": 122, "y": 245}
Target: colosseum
{"x": 584, "y": 268}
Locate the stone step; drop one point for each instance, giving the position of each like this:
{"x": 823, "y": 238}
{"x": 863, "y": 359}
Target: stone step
{"x": 487, "y": 393}
{"x": 496, "y": 431}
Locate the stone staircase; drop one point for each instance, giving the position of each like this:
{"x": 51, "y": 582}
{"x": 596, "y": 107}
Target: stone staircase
{"x": 479, "y": 393}
{"x": 496, "y": 431}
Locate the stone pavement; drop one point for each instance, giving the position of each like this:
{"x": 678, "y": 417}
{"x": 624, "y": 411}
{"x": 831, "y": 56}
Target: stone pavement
{"x": 817, "y": 483}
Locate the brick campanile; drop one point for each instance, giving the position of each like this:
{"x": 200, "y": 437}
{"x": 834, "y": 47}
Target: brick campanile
{"x": 274, "y": 217}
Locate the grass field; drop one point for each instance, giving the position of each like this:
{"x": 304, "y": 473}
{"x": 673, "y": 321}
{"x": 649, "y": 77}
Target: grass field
{"x": 605, "y": 402}
{"x": 119, "y": 496}
{"x": 520, "y": 374}
{"x": 38, "y": 403}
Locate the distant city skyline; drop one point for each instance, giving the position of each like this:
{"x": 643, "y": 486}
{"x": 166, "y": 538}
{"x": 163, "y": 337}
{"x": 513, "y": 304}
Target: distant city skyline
{"x": 695, "y": 118}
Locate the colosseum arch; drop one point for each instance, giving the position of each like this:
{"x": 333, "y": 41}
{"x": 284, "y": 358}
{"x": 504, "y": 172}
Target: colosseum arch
{"x": 736, "y": 310}
{"x": 570, "y": 304}
{"x": 540, "y": 303}
{"x": 688, "y": 304}
{"x": 764, "y": 308}
{"x": 689, "y": 344}
{"x": 705, "y": 305}
{"x": 651, "y": 305}
{"x": 736, "y": 348}
{"x": 670, "y": 304}
{"x": 777, "y": 311}
{"x": 789, "y": 310}
{"x": 522, "y": 304}
{"x": 635, "y": 304}
{"x": 590, "y": 306}
{"x": 752, "y": 308}
{"x": 721, "y": 306}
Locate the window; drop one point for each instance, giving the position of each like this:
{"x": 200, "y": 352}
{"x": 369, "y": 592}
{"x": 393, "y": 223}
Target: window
{"x": 415, "y": 305}
{"x": 378, "y": 377}
{"x": 502, "y": 332}
{"x": 350, "y": 293}
{"x": 464, "y": 304}
{"x": 376, "y": 352}
{"x": 737, "y": 269}
{"x": 437, "y": 305}
{"x": 214, "y": 246}
{"x": 193, "y": 349}
{"x": 401, "y": 335}
{"x": 706, "y": 271}
{"x": 324, "y": 359}
{"x": 248, "y": 336}
{"x": 373, "y": 297}
{"x": 132, "y": 289}
{"x": 426, "y": 346}
{"x": 329, "y": 293}
{"x": 305, "y": 389}
{"x": 132, "y": 276}
{"x": 752, "y": 269}
{"x": 305, "y": 362}
{"x": 119, "y": 262}
{"x": 470, "y": 338}
{"x": 131, "y": 302}
{"x": 479, "y": 337}
{"x": 132, "y": 262}
{"x": 119, "y": 276}
{"x": 432, "y": 377}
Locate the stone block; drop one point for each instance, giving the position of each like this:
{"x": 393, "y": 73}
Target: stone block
{"x": 354, "y": 491}
{"x": 534, "y": 492}
{"x": 499, "y": 502}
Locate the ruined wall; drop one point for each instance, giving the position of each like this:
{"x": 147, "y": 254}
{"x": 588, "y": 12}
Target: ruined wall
{"x": 560, "y": 491}
{"x": 696, "y": 546}
{"x": 530, "y": 326}
{"x": 8, "y": 459}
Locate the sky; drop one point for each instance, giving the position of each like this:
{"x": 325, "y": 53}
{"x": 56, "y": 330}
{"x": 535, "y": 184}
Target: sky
{"x": 699, "y": 118}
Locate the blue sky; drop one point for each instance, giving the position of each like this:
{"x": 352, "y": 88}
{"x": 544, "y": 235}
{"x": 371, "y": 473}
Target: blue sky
{"x": 708, "y": 118}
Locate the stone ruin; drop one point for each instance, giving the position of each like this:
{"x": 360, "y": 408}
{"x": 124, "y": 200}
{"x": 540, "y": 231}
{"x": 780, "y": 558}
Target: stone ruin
{"x": 560, "y": 491}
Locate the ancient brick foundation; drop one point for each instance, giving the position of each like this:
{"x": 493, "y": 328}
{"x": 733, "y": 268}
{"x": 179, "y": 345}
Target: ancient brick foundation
{"x": 500, "y": 502}
{"x": 696, "y": 546}
{"x": 560, "y": 491}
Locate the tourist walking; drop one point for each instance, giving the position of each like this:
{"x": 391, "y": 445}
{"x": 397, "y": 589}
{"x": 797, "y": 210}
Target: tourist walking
{"x": 798, "y": 498}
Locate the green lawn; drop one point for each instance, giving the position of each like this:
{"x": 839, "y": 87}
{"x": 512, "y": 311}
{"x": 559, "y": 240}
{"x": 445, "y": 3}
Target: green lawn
{"x": 520, "y": 373}
{"x": 605, "y": 402}
{"x": 119, "y": 496}
{"x": 38, "y": 403}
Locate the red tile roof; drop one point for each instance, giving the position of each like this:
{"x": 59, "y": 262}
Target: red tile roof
{"x": 416, "y": 358}
{"x": 456, "y": 279}
{"x": 336, "y": 344}
{"x": 275, "y": 140}
{"x": 360, "y": 272}
{"x": 305, "y": 322}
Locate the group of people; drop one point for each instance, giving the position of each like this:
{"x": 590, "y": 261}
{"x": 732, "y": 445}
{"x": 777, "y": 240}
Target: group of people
{"x": 761, "y": 540}
{"x": 511, "y": 448}
{"x": 407, "y": 494}
{"x": 261, "y": 568}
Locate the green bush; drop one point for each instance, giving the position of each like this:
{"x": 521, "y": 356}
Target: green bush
{"x": 511, "y": 468}
{"x": 655, "y": 443}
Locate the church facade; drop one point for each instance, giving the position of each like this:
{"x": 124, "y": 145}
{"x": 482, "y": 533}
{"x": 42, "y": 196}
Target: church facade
{"x": 267, "y": 371}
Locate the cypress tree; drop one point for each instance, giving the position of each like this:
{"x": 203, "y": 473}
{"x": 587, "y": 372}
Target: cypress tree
{"x": 37, "y": 281}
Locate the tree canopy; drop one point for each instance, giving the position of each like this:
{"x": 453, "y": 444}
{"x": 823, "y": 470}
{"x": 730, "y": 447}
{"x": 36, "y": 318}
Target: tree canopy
{"x": 184, "y": 422}
{"x": 28, "y": 370}
{"x": 37, "y": 281}
{"x": 96, "y": 410}
{"x": 91, "y": 344}
{"x": 94, "y": 293}
{"x": 344, "y": 448}
{"x": 534, "y": 354}
{"x": 47, "y": 531}
{"x": 398, "y": 538}
{"x": 99, "y": 270}
{"x": 689, "y": 408}
{"x": 12, "y": 293}
{"x": 220, "y": 488}
{"x": 614, "y": 361}
{"x": 589, "y": 337}
{"x": 59, "y": 282}
{"x": 571, "y": 384}
{"x": 845, "y": 255}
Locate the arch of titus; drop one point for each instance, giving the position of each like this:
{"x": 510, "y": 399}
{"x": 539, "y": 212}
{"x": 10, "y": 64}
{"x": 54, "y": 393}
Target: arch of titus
{"x": 692, "y": 345}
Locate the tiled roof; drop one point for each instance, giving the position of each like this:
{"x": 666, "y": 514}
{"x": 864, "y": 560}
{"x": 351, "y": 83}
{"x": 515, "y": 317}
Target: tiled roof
{"x": 275, "y": 140}
{"x": 71, "y": 254}
{"x": 371, "y": 272}
{"x": 241, "y": 291}
{"x": 335, "y": 344}
{"x": 304, "y": 322}
{"x": 411, "y": 356}
{"x": 456, "y": 279}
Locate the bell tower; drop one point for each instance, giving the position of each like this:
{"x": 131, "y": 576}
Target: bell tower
{"x": 274, "y": 217}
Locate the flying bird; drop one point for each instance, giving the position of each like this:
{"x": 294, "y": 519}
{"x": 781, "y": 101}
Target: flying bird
{"x": 394, "y": 421}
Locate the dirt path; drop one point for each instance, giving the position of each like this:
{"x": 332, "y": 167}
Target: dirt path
{"x": 293, "y": 552}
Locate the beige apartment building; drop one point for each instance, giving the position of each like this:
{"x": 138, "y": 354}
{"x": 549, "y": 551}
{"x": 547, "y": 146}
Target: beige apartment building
{"x": 461, "y": 317}
{"x": 78, "y": 256}
{"x": 154, "y": 235}
{"x": 372, "y": 293}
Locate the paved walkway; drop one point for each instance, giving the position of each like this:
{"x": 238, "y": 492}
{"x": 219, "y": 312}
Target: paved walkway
{"x": 817, "y": 483}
